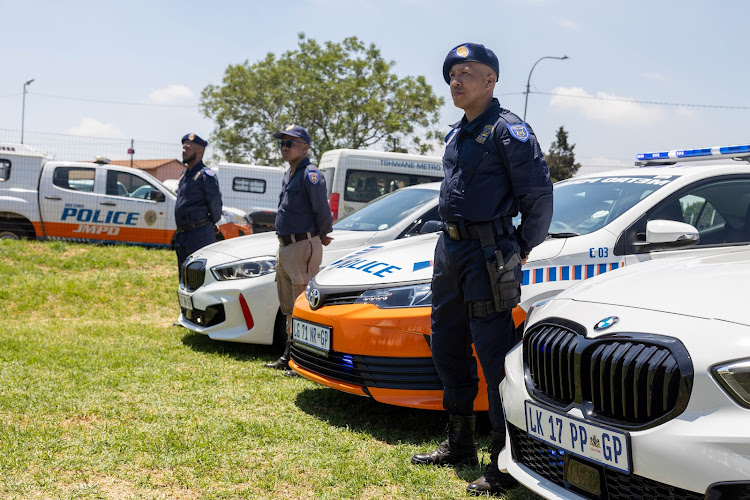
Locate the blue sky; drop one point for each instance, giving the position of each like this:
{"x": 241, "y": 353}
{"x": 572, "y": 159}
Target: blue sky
{"x": 86, "y": 56}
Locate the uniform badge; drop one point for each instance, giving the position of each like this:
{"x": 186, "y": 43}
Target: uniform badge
{"x": 290, "y": 127}
{"x": 191, "y": 137}
{"x": 463, "y": 51}
{"x": 519, "y": 131}
{"x": 485, "y": 133}
{"x": 150, "y": 217}
{"x": 450, "y": 136}
{"x": 313, "y": 176}
{"x": 209, "y": 172}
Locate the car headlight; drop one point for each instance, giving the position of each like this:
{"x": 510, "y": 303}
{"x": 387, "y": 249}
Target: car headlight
{"x": 234, "y": 218}
{"x": 400, "y": 296}
{"x": 734, "y": 377}
{"x": 248, "y": 268}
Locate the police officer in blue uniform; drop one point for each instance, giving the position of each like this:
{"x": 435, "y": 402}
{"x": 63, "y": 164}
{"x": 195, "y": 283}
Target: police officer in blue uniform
{"x": 198, "y": 206}
{"x": 494, "y": 168}
{"x": 303, "y": 222}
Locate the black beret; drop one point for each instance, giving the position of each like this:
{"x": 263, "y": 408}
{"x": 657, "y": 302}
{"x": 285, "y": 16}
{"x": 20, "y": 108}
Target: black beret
{"x": 194, "y": 139}
{"x": 470, "y": 52}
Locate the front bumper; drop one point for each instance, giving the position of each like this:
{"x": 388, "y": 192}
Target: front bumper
{"x": 381, "y": 353}
{"x": 232, "y": 323}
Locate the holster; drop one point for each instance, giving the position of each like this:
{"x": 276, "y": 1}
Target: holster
{"x": 506, "y": 291}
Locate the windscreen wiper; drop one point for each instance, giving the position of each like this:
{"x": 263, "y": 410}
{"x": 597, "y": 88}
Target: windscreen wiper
{"x": 563, "y": 235}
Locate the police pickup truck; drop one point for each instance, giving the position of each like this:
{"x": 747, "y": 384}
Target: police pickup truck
{"x": 89, "y": 202}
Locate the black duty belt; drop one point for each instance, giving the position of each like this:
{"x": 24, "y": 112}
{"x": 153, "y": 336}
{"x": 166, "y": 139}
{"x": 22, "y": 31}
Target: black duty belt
{"x": 288, "y": 239}
{"x": 470, "y": 231}
{"x": 194, "y": 225}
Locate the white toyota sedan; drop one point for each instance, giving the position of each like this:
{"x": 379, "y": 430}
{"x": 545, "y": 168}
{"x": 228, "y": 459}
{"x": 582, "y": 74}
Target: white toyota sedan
{"x": 635, "y": 385}
{"x": 228, "y": 291}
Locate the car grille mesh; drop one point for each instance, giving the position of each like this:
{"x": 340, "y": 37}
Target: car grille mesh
{"x": 630, "y": 379}
{"x": 192, "y": 274}
{"x": 548, "y": 462}
{"x": 551, "y": 351}
{"x": 371, "y": 371}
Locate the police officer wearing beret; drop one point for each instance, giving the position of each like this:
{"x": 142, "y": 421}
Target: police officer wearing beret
{"x": 303, "y": 222}
{"x": 198, "y": 206}
{"x": 494, "y": 168}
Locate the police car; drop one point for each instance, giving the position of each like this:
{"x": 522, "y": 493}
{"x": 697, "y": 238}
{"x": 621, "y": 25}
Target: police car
{"x": 368, "y": 333}
{"x": 636, "y": 385}
{"x": 228, "y": 291}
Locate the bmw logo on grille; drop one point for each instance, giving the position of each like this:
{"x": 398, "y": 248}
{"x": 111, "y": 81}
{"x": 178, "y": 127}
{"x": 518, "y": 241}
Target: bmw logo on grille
{"x": 314, "y": 298}
{"x": 606, "y": 323}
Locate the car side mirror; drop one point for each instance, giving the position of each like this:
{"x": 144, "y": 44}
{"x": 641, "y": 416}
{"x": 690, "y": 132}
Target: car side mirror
{"x": 431, "y": 226}
{"x": 157, "y": 195}
{"x": 671, "y": 234}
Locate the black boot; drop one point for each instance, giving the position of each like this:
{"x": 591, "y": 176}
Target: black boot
{"x": 283, "y": 362}
{"x": 458, "y": 449}
{"x": 493, "y": 482}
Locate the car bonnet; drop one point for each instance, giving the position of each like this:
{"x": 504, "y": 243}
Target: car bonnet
{"x": 711, "y": 287}
{"x": 401, "y": 261}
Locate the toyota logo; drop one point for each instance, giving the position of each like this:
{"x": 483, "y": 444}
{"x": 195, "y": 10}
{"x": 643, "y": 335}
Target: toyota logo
{"x": 314, "y": 298}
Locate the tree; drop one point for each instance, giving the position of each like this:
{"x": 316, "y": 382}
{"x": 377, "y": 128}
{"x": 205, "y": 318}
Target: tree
{"x": 344, "y": 94}
{"x": 560, "y": 159}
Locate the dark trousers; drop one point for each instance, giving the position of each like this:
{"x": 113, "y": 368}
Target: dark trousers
{"x": 460, "y": 277}
{"x": 187, "y": 242}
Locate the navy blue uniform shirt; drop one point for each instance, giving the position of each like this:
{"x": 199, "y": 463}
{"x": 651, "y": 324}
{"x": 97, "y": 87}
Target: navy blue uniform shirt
{"x": 494, "y": 167}
{"x": 198, "y": 196}
{"x": 303, "y": 203}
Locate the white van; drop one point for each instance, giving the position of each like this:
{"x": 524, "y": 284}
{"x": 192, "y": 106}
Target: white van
{"x": 253, "y": 188}
{"x": 355, "y": 177}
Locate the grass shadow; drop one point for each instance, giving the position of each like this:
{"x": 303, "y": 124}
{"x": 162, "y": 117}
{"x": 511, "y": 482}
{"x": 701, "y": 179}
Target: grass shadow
{"x": 391, "y": 424}
{"x": 236, "y": 350}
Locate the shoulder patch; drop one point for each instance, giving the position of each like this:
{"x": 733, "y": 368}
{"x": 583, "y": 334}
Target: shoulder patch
{"x": 209, "y": 172}
{"x": 485, "y": 133}
{"x": 450, "y": 136}
{"x": 519, "y": 131}
{"x": 313, "y": 177}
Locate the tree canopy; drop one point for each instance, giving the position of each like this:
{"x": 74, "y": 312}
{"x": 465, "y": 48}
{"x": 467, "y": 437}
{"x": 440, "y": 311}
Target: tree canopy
{"x": 561, "y": 160}
{"x": 344, "y": 94}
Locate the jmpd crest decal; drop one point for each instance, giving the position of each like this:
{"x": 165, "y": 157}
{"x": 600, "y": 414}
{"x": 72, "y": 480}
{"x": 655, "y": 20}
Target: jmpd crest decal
{"x": 150, "y": 217}
{"x": 485, "y": 133}
{"x": 519, "y": 131}
{"x": 313, "y": 176}
{"x": 606, "y": 323}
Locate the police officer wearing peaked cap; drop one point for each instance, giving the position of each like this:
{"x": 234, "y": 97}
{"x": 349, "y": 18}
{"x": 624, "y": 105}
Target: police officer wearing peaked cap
{"x": 303, "y": 222}
{"x": 198, "y": 206}
{"x": 494, "y": 168}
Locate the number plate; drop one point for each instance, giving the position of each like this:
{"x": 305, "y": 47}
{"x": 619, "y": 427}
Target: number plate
{"x": 595, "y": 443}
{"x": 186, "y": 301}
{"x": 311, "y": 336}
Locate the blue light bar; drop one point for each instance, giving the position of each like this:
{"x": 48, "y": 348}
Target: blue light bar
{"x": 697, "y": 154}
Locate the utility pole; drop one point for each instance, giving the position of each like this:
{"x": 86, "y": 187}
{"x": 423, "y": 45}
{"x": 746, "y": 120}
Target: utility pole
{"x": 23, "y": 108}
{"x": 528, "y": 82}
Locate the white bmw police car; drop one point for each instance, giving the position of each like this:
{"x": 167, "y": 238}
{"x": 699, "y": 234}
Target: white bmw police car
{"x": 636, "y": 385}
{"x": 228, "y": 291}
{"x": 377, "y": 327}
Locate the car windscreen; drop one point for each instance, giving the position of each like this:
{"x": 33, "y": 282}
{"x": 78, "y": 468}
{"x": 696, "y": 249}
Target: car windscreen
{"x": 387, "y": 211}
{"x": 582, "y": 206}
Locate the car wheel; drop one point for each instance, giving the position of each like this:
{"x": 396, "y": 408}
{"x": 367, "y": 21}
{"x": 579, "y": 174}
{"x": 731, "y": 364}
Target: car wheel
{"x": 10, "y": 235}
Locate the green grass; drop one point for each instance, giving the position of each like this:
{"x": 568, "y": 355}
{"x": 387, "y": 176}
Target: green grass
{"x": 101, "y": 397}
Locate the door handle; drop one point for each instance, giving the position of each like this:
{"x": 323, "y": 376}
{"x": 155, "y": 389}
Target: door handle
{"x": 56, "y": 198}
{"x": 108, "y": 203}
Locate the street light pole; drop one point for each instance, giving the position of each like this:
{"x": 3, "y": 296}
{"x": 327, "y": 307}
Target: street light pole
{"x": 528, "y": 82}
{"x": 23, "y": 108}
